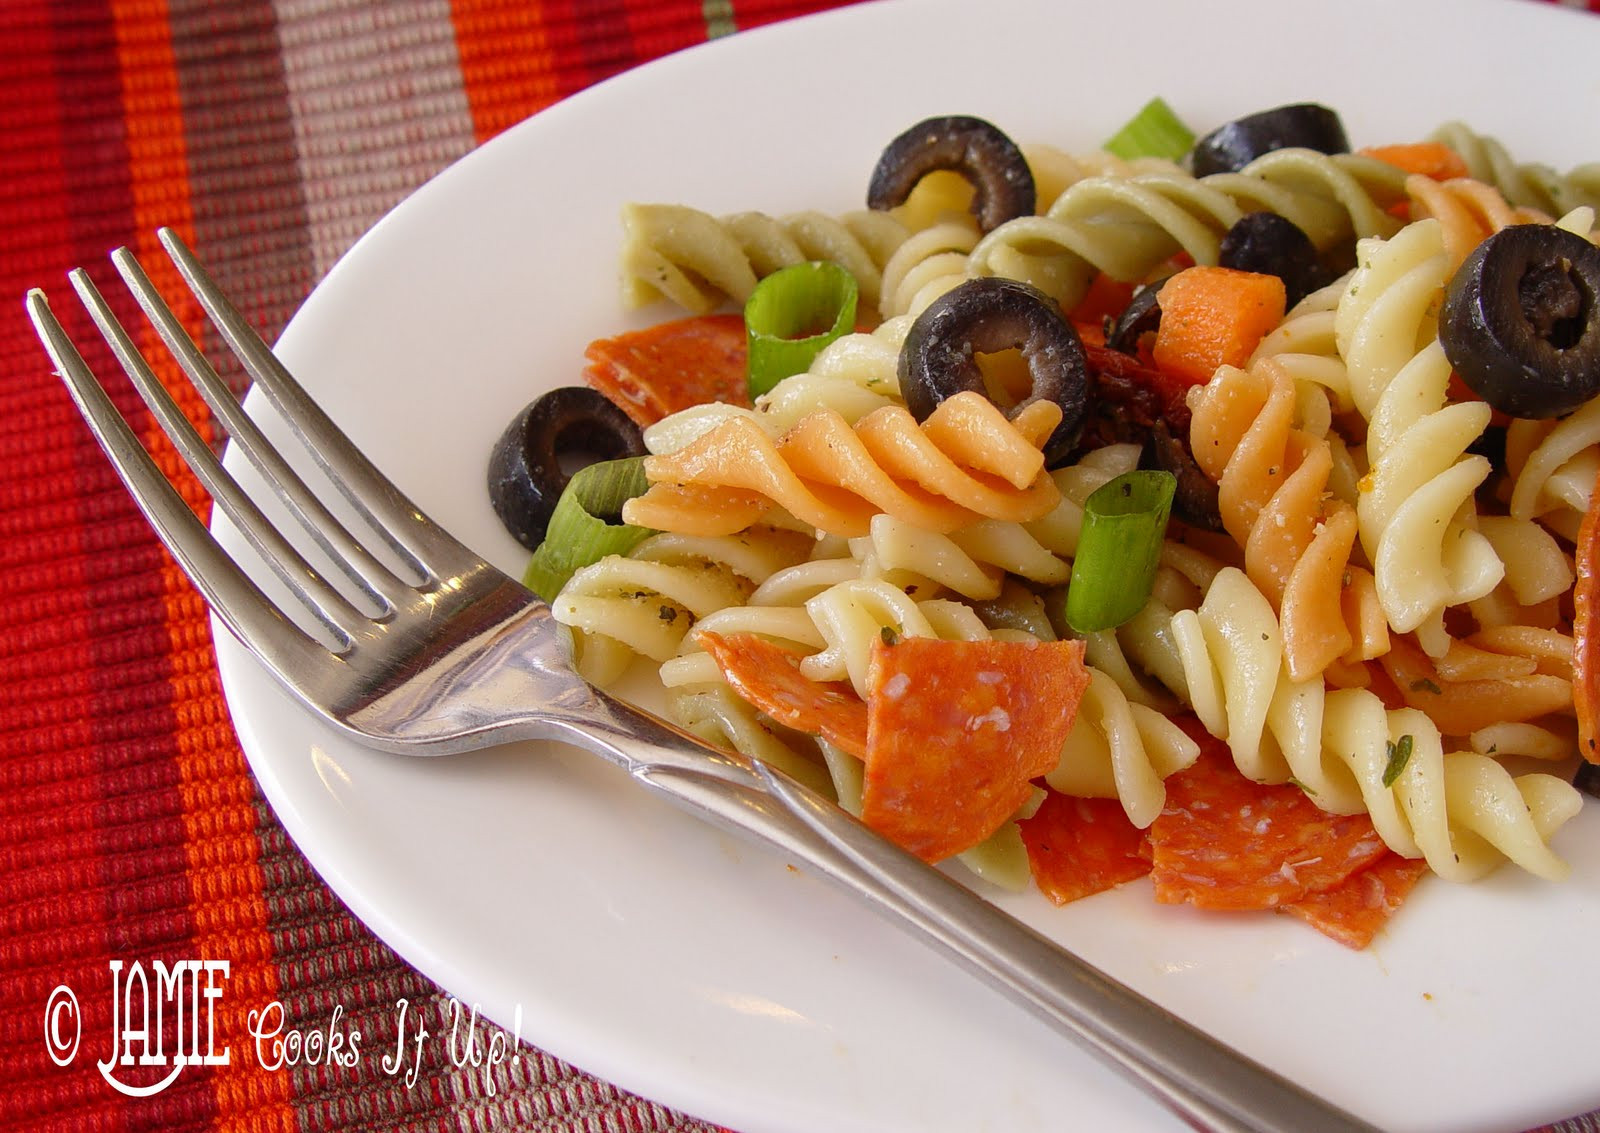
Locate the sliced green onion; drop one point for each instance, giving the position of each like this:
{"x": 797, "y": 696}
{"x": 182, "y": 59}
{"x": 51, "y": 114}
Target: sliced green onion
{"x": 792, "y": 314}
{"x": 587, "y": 524}
{"x": 1124, "y": 523}
{"x": 1153, "y": 132}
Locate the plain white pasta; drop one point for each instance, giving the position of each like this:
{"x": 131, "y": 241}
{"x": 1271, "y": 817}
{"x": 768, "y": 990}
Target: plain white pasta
{"x": 973, "y": 561}
{"x": 852, "y": 615}
{"x": 1121, "y": 750}
{"x": 1461, "y": 811}
{"x": 1232, "y": 650}
{"x": 715, "y": 714}
{"x": 1536, "y": 568}
{"x": 928, "y": 264}
{"x": 1416, "y": 510}
{"x": 1555, "y": 471}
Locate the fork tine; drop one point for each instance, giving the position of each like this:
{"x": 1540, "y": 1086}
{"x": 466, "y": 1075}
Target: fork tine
{"x": 430, "y": 550}
{"x": 366, "y": 573}
{"x": 243, "y": 608}
{"x": 325, "y": 603}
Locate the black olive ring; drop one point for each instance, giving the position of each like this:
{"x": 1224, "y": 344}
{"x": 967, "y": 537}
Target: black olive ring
{"x": 525, "y": 474}
{"x": 985, "y": 316}
{"x": 1521, "y": 321}
{"x": 1001, "y": 181}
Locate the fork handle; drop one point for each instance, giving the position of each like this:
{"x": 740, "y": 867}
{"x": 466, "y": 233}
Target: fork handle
{"x": 1209, "y": 1085}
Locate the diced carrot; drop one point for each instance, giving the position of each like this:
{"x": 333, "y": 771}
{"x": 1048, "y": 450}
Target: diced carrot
{"x": 769, "y": 677}
{"x": 1079, "y": 847}
{"x": 955, "y": 732}
{"x": 1225, "y": 842}
{"x": 1106, "y": 299}
{"x": 1586, "y": 629}
{"x": 1431, "y": 159}
{"x": 1353, "y": 912}
{"x": 1215, "y": 316}
{"x": 659, "y": 370}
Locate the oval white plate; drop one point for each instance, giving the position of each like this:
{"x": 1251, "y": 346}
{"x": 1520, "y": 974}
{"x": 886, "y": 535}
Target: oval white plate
{"x": 700, "y": 971}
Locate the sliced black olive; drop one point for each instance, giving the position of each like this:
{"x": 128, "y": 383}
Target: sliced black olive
{"x": 985, "y": 316}
{"x": 1521, "y": 321}
{"x": 1001, "y": 181}
{"x": 1235, "y": 145}
{"x": 1274, "y": 245}
{"x": 1140, "y": 317}
{"x": 1195, "y": 501}
{"x": 1587, "y": 779}
{"x": 526, "y": 477}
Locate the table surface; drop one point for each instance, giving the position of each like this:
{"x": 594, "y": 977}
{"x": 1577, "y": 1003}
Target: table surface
{"x": 272, "y": 133}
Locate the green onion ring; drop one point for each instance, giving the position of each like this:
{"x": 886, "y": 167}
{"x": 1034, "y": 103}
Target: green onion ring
{"x": 585, "y": 528}
{"x": 792, "y": 314}
{"x": 1124, "y": 525}
{"x": 1153, "y": 132}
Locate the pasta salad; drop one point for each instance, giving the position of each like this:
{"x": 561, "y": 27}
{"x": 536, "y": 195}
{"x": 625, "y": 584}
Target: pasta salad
{"x": 1217, "y": 510}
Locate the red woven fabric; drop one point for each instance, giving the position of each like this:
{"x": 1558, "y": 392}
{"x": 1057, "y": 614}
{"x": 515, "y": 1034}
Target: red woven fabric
{"x": 130, "y": 828}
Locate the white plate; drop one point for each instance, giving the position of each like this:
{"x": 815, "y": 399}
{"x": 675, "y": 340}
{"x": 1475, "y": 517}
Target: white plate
{"x": 699, "y": 971}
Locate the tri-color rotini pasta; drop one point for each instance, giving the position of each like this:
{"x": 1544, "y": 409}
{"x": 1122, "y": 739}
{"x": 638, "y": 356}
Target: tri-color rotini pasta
{"x": 1374, "y": 608}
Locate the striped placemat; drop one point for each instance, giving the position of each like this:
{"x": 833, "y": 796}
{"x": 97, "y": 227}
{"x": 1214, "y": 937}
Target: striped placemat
{"x": 272, "y": 135}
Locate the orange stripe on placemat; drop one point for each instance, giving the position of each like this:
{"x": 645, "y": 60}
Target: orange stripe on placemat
{"x": 507, "y": 65}
{"x": 219, "y": 817}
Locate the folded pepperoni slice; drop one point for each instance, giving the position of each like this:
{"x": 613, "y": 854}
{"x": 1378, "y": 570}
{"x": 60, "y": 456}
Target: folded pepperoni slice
{"x": 1353, "y": 912}
{"x": 957, "y": 729}
{"x": 769, "y": 677}
{"x": 659, "y": 370}
{"x": 1079, "y": 847}
{"x": 1225, "y": 842}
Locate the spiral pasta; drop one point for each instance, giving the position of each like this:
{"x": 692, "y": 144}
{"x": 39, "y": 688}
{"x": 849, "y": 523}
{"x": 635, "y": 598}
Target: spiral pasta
{"x": 1461, "y": 811}
{"x": 1121, "y": 749}
{"x": 1126, "y": 227}
{"x": 1467, "y": 211}
{"x": 1273, "y": 484}
{"x": 699, "y": 261}
{"x": 1553, "y": 465}
{"x": 1525, "y": 184}
{"x": 1417, "y": 515}
{"x": 925, "y": 266}
{"x": 643, "y": 603}
{"x": 964, "y": 462}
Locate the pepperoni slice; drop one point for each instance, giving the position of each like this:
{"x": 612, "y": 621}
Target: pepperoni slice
{"x": 769, "y": 677}
{"x": 1079, "y": 847}
{"x": 1352, "y": 913}
{"x": 1225, "y": 842}
{"x": 957, "y": 729}
{"x": 659, "y": 370}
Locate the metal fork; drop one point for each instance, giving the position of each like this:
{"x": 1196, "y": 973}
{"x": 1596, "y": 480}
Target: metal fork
{"x": 452, "y": 658}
